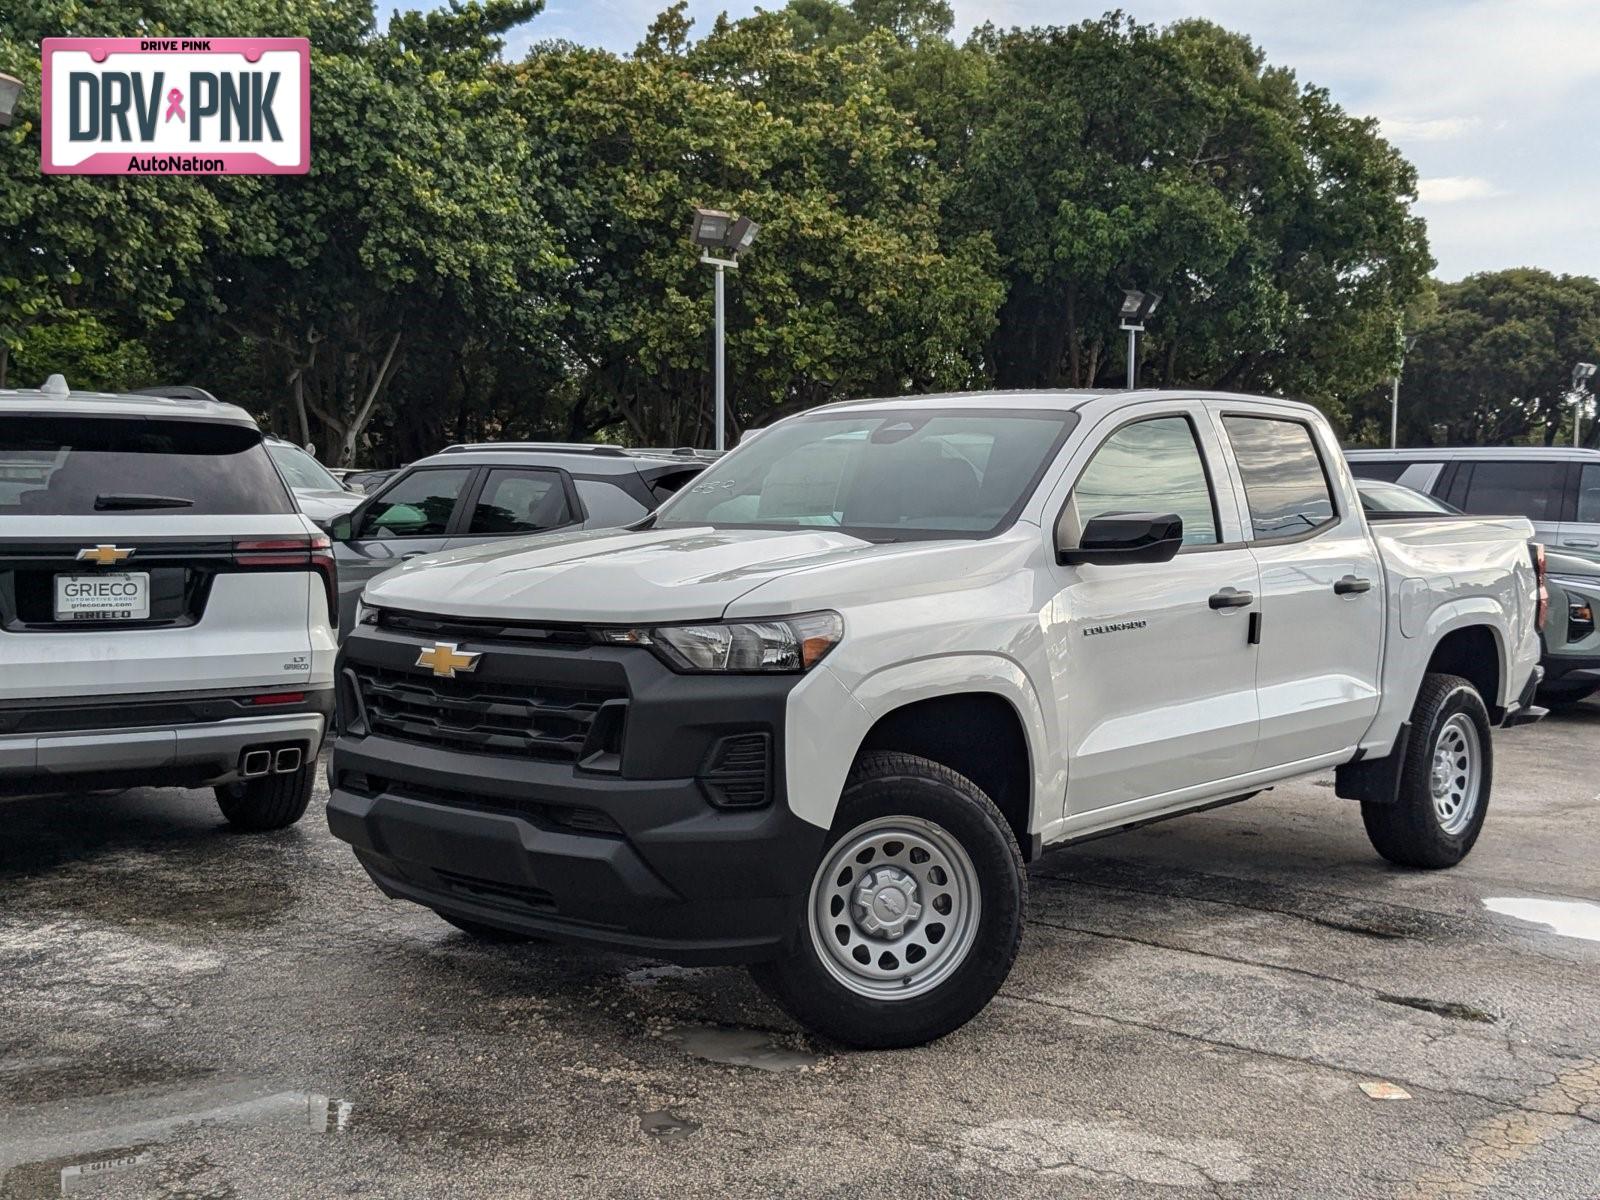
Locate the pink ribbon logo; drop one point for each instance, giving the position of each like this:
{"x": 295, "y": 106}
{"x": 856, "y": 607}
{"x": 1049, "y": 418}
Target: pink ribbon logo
{"x": 175, "y": 105}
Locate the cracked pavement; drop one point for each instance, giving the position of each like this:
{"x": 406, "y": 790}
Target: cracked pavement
{"x": 185, "y": 1011}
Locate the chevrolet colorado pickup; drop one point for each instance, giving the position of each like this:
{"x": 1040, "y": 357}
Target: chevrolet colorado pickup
{"x": 817, "y": 712}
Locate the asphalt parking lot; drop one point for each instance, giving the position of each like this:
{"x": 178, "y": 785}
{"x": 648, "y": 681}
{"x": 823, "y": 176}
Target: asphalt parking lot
{"x": 185, "y": 1011}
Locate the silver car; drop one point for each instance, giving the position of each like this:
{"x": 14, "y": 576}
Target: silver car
{"x": 1557, "y": 488}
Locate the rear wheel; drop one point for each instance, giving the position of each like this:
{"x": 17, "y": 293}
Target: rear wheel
{"x": 914, "y": 915}
{"x": 269, "y": 802}
{"x": 1444, "y": 783}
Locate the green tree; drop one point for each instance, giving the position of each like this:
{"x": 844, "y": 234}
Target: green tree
{"x": 851, "y": 288}
{"x": 1110, "y": 154}
{"x": 1493, "y": 362}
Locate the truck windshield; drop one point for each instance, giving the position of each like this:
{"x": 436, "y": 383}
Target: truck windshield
{"x": 883, "y": 476}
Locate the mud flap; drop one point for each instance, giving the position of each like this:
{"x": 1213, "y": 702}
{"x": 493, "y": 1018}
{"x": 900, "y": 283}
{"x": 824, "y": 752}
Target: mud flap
{"x": 1374, "y": 780}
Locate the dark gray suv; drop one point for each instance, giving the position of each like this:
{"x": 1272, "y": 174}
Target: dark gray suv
{"x": 475, "y": 493}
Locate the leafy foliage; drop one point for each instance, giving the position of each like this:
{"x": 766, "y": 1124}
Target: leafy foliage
{"x": 490, "y": 248}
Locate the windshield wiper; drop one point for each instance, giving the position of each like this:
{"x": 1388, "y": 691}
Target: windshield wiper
{"x": 118, "y": 500}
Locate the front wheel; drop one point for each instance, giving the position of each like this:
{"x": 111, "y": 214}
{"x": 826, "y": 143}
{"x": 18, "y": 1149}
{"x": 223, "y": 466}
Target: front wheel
{"x": 1436, "y": 817}
{"x": 914, "y": 915}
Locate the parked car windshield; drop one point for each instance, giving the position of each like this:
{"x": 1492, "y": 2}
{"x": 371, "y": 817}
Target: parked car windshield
{"x": 301, "y": 470}
{"x": 1378, "y": 496}
{"x": 77, "y": 466}
{"x": 884, "y": 476}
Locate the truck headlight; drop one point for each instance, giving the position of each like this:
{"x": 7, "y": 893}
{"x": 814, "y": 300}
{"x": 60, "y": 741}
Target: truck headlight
{"x": 777, "y": 644}
{"x": 365, "y": 614}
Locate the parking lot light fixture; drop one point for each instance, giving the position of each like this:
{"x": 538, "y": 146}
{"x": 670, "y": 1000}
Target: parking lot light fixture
{"x": 1582, "y": 373}
{"x": 1136, "y": 307}
{"x": 722, "y": 237}
{"x": 10, "y": 92}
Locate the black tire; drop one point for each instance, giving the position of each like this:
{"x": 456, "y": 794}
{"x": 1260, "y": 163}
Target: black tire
{"x": 269, "y": 802}
{"x": 889, "y": 785}
{"x": 1410, "y": 831}
{"x": 484, "y": 933}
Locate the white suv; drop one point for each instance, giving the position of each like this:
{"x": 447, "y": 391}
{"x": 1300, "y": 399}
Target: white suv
{"x": 164, "y": 605}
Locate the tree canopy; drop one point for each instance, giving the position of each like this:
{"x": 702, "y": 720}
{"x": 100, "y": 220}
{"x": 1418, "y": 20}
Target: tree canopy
{"x": 496, "y": 246}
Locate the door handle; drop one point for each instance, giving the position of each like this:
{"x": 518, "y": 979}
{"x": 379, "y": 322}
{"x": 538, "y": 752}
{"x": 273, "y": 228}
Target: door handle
{"x": 1587, "y": 545}
{"x": 1232, "y": 598}
{"x": 1351, "y": 585}
{"x": 412, "y": 554}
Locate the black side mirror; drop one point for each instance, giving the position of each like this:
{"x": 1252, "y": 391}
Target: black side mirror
{"x": 341, "y": 527}
{"x": 1125, "y": 538}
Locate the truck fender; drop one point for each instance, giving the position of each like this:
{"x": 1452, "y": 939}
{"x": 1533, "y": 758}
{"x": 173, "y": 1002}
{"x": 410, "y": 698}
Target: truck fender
{"x": 819, "y": 762}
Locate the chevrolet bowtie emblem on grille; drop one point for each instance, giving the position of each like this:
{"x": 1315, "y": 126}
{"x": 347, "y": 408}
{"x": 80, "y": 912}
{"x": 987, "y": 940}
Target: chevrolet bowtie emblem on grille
{"x": 103, "y": 556}
{"x": 444, "y": 660}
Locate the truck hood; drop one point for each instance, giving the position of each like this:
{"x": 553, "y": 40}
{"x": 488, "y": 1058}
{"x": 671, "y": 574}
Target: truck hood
{"x": 605, "y": 575}
{"x": 656, "y": 576}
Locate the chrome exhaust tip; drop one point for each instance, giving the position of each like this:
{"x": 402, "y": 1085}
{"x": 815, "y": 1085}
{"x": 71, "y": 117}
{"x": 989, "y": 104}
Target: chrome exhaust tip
{"x": 286, "y": 760}
{"x": 255, "y": 762}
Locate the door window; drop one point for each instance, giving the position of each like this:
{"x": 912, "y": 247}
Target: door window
{"x": 418, "y": 505}
{"x": 520, "y": 501}
{"x": 607, "y": 504}
{"x": 1589, "y": 494}
{"x": 1515, "y": 489}
{"x": 1151, "y": 466}
{"x": 1285, "y": 485}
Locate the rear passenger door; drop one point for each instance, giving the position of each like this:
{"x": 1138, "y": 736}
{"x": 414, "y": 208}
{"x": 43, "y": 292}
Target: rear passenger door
{"x": 1321, "y": 632}
{"x": 1580, "y": 529}
{"x": 515, "y": 502}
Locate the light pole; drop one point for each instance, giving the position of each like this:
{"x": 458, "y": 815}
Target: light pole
{"x": 1136, "y": 306}
{"x": 10, "y": 90}
{"x": 1407, "y": 342}
{"x": 714, "y": 230}
{"x": 1581, "y": 374}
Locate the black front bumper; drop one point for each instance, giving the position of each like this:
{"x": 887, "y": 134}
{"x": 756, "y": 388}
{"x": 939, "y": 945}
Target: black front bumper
{"x": 633, "y": 856}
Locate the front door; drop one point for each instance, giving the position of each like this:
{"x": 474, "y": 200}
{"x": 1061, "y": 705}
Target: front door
{"x": 1321, "y": 590}
{"x": 1155, "y": 669}
{"x": 412, "y": 516}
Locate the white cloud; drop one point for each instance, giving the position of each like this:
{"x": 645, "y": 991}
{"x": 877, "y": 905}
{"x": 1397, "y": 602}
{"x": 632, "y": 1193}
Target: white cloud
{"x": 1427, "y": 129}
{"x": 1448, "y": 189}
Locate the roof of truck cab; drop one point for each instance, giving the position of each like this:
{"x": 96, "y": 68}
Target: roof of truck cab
{"x": 39, "y": 403}
{"x": 1475, "y": 453}
{"x": 1050, "y": 399}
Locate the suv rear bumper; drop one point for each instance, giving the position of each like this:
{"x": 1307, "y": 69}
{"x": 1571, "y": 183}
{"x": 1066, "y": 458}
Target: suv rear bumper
{"x": 90, "y": 753}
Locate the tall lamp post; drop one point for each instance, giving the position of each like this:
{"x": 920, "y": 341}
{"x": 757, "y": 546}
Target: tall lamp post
{"x": 722, "y": 237}
{"x": 10, "y": 90}
{"x": 1407, "y": 344}
{"x": 1581, "y": 374}
{"x": 1136, "y": 306}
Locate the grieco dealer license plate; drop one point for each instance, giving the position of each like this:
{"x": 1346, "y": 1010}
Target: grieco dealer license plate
{"x": 122, "y": 597}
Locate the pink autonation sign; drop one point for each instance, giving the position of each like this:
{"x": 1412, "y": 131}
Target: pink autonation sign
{"x": 177, "y": 106}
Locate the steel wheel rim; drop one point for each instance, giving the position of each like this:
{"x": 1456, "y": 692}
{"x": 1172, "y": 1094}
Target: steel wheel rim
{"x": 1456, "y": 774}
{"x": 901, "y": 893}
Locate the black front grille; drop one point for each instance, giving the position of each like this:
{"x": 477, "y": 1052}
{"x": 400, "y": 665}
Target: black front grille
{"x": 530, "y": 720}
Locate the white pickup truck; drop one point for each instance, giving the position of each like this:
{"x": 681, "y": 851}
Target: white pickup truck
{"x": 818, "y": 711}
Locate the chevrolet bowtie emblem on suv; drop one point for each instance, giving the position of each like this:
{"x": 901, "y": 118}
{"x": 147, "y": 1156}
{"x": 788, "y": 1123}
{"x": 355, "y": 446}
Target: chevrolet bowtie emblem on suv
{"x": 103, "y": 556}
{"x": 444, "y": 660}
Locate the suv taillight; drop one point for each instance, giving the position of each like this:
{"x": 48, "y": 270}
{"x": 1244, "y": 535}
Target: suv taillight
{"x": 1544, "y": 585}
{"x": 280, "y": 553}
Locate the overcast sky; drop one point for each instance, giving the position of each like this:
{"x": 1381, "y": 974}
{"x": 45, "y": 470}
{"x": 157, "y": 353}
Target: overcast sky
{"x": 1497, "y": 102}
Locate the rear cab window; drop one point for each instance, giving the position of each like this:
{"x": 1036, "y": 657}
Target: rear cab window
{"x": 1285, "y": 484}
{"x": 108, "y": 466}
